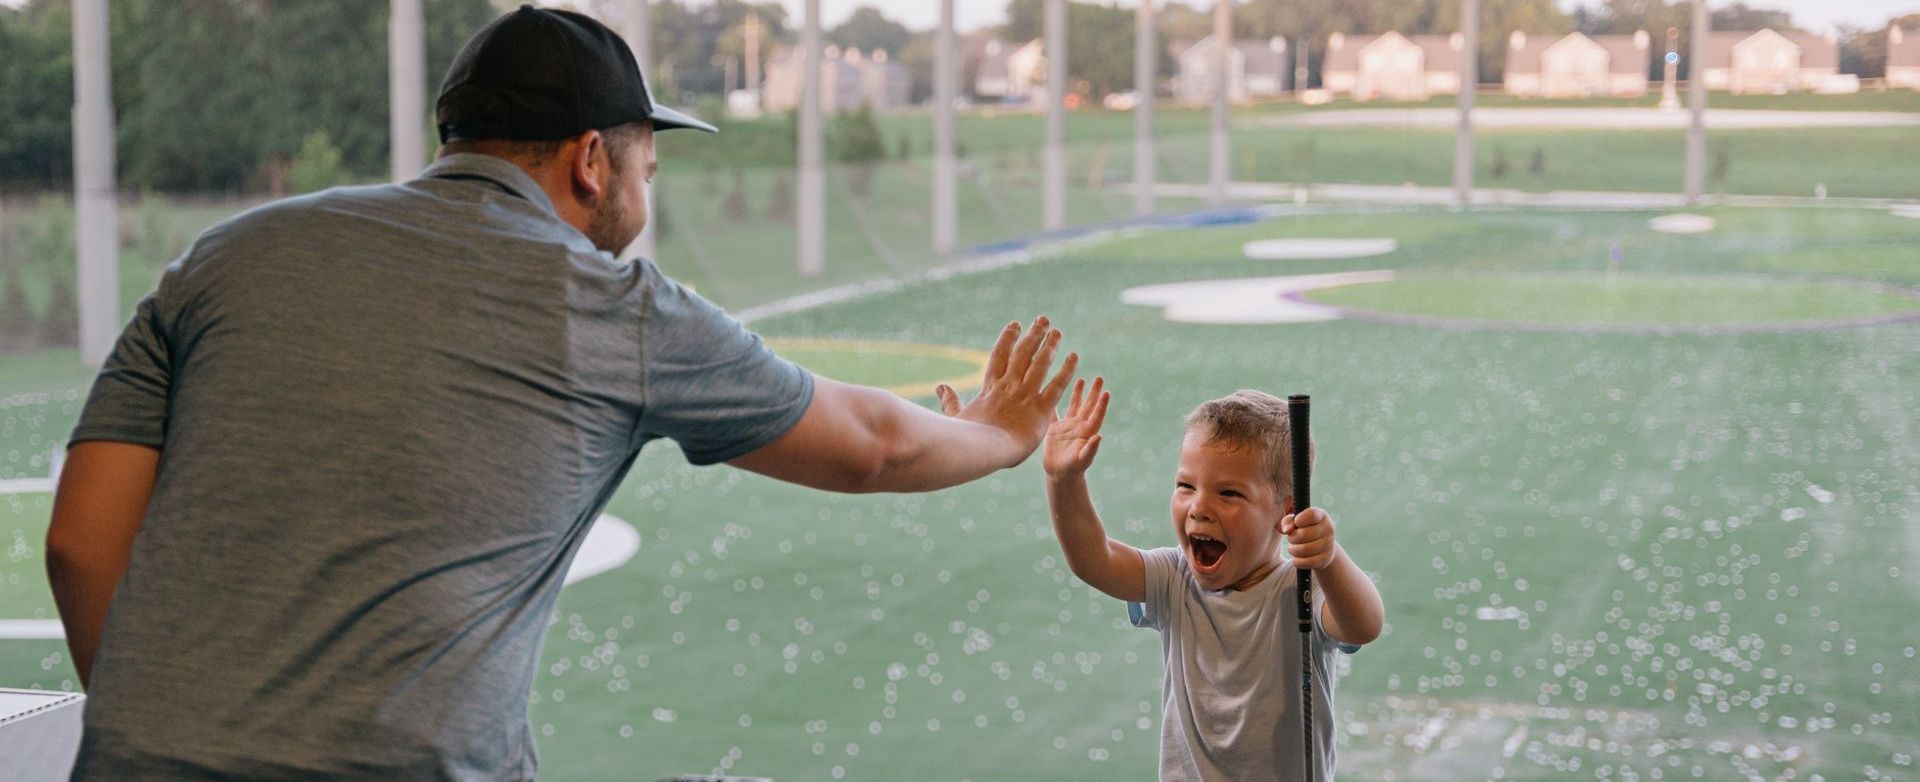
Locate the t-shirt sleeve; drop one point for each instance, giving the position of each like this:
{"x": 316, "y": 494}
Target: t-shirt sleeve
{"x": 1162, "y": 568}
{"x": 128, "y": 402}
{"x": 711, "y": 385}
{"x": 1322, "y": 641}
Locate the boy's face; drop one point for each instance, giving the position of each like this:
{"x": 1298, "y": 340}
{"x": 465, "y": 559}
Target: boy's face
{"x": 1226, "y": 512}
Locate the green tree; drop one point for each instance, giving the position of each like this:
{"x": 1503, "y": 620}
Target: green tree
{"x": 867, "y": 29}
{"x": 317, "y": 166}
{"x": 16, "y": 316}
{"x": 36, "y": 94}
{"x": 856, "y": 140}
{"x": 1099, "y": 43}
{"x": 61, "y": 325}
{"x": 214, "y": 94}
{"x": 693, "y": 41}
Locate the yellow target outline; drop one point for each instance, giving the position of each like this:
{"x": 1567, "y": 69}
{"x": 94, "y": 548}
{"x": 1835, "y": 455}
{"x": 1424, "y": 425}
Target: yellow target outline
{"x": 960, "y": 383}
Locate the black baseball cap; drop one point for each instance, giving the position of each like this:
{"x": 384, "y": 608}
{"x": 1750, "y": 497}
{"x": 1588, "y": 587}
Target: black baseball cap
{"x": 537, "y": 74}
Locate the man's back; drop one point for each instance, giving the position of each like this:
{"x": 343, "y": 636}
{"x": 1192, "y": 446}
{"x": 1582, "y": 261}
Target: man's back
{"x": 386, "y": 417}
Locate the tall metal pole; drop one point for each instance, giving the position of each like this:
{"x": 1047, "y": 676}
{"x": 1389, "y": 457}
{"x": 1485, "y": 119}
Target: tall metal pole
{"x": 407, "y": 88}
{"x": 1145, "y": 69}
{"x": 753, "y": 55}
{"x": 945, "y": 89}
{"x": 1220, "y": 161}
{"x": 1300, "y": 44}
{"x": 1697, "y": 102}
{"x": 1669, "y": 98}
{"x": 96, "y": 212}
{"x": 811, "y": 199}
{"x": 1469, "y": 84}
{"x": 638, "y": 31}
{"x": 1053, "y": 207}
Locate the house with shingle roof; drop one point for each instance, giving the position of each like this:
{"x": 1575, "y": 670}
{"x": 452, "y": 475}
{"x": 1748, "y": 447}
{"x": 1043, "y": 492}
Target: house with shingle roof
{"x": 1393, "y": 66}
{"x": 1770, "y": 61}
{"x": 1903, "y": 58}
{"x": 1576, "y": 65}
{"x": 1255, "y": 69}
{"x": 1009, "y": 73}
{"x": 849, "y": 79}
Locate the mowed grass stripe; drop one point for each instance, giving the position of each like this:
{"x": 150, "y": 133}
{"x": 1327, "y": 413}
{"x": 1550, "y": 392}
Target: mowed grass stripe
{"x": 1575, "y": 300}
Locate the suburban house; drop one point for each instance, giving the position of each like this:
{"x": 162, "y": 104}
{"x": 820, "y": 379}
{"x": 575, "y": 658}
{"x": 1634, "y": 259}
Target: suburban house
{"x": 1903, "y": 58}
{"x": 1393, "y": 66}
{"x": 1011, "y": 74}
{"x": 1255, "y": 69}
{"x": 849, "y": 79}
{"x": 1577, "y": 66}
{"x": 1771, "y": 62}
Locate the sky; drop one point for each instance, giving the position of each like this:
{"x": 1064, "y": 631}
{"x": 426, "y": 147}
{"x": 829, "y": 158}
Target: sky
{"x": 1815, "y": 15}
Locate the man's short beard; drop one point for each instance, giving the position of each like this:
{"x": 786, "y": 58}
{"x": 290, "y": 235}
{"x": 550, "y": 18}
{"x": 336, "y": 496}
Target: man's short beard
{"x": 611, "y": 228}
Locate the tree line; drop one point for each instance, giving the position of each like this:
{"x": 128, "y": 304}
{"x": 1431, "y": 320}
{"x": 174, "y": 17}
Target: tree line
{"x": 261, "y": 96}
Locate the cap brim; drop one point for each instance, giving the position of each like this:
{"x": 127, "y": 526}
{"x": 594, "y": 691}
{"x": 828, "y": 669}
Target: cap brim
{"x": 667, "y": 119}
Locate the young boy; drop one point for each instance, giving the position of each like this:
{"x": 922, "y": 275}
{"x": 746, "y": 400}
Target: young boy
{"x": 1223, "y": 600}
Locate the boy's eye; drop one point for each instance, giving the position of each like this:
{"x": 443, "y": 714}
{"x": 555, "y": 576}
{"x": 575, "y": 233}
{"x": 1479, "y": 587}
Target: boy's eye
{"x": 1183, "y": 485}
{"x": 1230, "y": 493}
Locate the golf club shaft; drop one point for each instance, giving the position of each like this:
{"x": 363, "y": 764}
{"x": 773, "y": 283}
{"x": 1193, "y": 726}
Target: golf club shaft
{"x": 1302, "y": 452}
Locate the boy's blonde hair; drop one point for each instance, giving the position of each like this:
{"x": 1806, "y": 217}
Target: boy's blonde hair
{"x": 1256, "y": 419}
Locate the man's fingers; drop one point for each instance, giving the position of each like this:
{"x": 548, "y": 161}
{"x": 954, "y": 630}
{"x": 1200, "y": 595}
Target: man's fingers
{"x": 949, "y": 401}
{"x": 1024, "y": 349}
{"x": 1042, "y": 361}
{"x": 1051, "y": 394}
{"x": 1002, "y": 352}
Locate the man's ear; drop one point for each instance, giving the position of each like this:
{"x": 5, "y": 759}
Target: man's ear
{"x": 587, "y": 165}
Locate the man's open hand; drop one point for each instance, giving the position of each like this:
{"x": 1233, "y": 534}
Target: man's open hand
{"x": 1015, "y": 396}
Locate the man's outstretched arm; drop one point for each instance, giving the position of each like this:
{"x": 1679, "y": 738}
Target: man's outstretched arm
{"x": 859, "y": 439}
{"x": 97, "y": 509}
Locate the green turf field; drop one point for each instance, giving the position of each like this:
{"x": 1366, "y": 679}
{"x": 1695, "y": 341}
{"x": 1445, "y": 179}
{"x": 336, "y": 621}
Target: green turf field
{"x": 1605, "y": 555}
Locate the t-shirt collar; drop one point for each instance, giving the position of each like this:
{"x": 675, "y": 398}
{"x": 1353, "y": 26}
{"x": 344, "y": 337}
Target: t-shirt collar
{"x": 501, "y": 172}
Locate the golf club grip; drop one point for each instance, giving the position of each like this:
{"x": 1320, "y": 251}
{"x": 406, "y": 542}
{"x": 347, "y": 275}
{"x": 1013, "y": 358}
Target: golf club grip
{"x": 1301, "y": 446}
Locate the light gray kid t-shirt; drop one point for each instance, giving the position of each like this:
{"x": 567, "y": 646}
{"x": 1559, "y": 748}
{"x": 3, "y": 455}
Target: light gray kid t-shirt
{"x": 386, "y": 418}
{"x": 1231, "y": 701}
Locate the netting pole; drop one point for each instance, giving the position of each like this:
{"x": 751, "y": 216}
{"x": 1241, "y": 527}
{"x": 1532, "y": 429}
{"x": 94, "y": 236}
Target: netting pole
{"x": 96, "y": 209}
{"x": 945, "y": 178}
{"x": 811, "y": 200}
{"x": 1697, "y": 103}
{"x": 1469, "y": 84}
{"x": 1219, "y": 163}
{"x": 1053, "y": 195}
{"x": 1145, "y": 68}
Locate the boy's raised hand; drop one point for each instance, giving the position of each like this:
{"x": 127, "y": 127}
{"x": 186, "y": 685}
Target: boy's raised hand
{"x": 1016, "y": 396}
{"x": 1309, "y": 538}
{"x": 1073, "y": 440}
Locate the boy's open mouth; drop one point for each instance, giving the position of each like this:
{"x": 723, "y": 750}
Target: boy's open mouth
{"x": 1206, "y": 551}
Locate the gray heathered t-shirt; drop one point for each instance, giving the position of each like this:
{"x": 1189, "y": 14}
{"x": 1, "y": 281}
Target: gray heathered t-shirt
{"x": 386, "y": 416}
{"x": 1231, "y": 701}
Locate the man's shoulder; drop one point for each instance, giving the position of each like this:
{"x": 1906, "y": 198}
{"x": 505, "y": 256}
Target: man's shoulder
{"x": 280, "y": 214}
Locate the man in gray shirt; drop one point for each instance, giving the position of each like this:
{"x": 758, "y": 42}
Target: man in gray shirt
{"x": 323, "y": 494}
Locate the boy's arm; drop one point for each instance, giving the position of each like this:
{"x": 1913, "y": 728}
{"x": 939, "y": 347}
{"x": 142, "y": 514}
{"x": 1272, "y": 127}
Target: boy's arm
{"x": 1104, "y": 563}
{"x": 1353, "y": 613}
